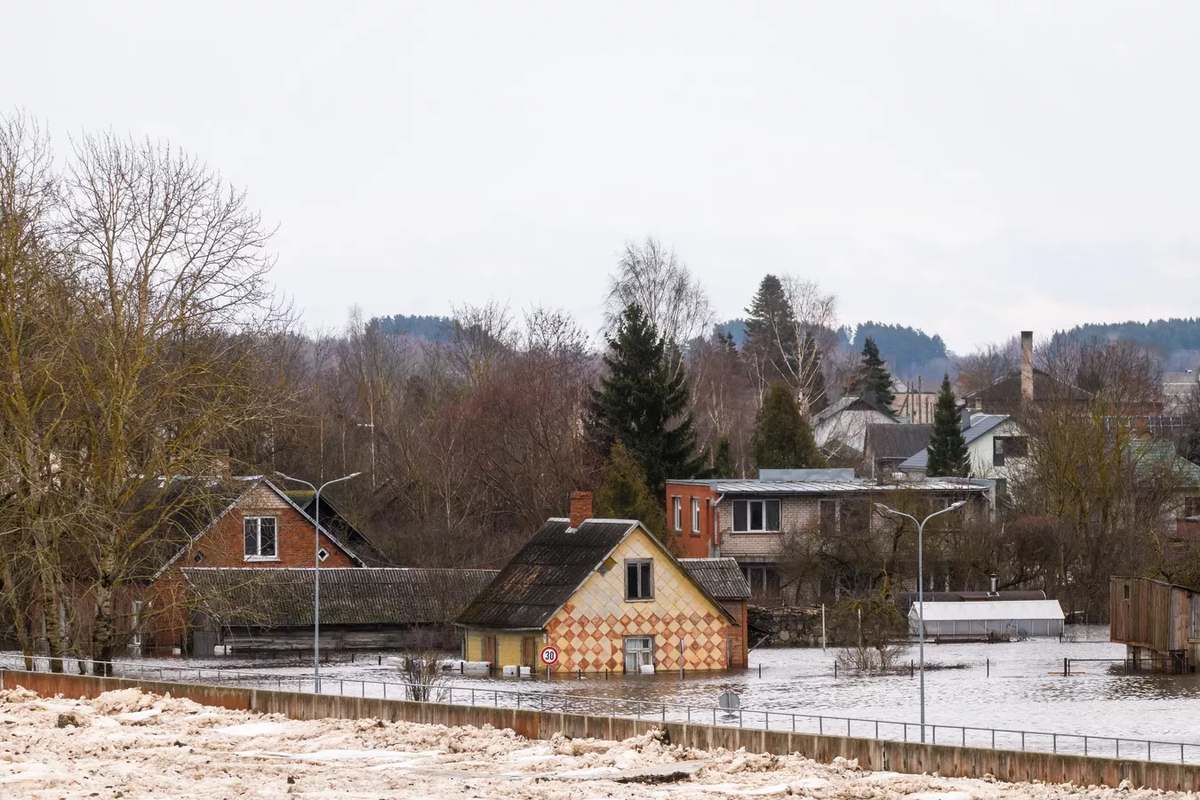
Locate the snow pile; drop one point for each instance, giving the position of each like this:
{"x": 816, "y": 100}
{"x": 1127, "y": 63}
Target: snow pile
{"x": 134, "y": 744}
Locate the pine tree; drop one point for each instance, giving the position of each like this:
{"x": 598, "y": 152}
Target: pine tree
{"x": 643, "y": 402}
{"x": 771, "y": 343}
{"x": 624, "y": 494}
{"x": 947, "y": 447}
{"x": 723, "y": 459}
{"x": 782, "y": 438}
{"x": 873, "y": 379}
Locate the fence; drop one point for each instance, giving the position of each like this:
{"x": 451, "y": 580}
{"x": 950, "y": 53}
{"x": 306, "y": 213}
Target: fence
{"x": 756, "y": 719}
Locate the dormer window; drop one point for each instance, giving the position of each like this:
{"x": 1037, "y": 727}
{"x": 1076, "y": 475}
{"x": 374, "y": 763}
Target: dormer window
{"x": 261, "y": 541}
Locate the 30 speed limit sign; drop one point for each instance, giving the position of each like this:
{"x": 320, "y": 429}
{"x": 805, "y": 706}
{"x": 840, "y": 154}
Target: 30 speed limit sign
{"x": 549, "y": 656}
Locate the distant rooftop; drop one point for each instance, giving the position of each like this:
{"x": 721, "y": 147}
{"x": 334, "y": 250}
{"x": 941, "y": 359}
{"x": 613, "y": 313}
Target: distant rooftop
{"x": 853, "y": 485}
{"x": 980, "y": 424}
{"x": 806, "y": 474}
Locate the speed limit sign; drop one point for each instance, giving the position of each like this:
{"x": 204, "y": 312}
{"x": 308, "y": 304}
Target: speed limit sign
{"x": 549, "y": 655}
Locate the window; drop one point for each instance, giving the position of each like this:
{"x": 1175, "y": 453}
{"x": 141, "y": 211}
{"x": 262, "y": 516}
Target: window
{"x": 1008, "y": 447}
{"x": 639, "y": 652}
{"x": 1127, "y": 591}
{"x": 260, "y": 539}
{"x": 1191, "y": 507}
{"x": 754, "y": 516}
{"x": 639, "y": 579}
{"x": 829, "y": 514}
{"x": 695, "y": 516}
{"x": 677, "y": 509}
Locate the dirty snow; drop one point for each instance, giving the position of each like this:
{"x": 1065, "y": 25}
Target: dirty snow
{"x": 131, "y": 744}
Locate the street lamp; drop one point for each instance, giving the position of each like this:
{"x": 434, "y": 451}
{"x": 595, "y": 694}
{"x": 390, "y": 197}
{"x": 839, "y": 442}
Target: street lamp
{"x": 921, "y": 588}
{"x": 317, "y": 568}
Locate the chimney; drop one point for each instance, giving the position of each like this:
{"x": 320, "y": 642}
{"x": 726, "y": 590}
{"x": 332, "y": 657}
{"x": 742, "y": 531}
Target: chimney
{"x": 966, "y": 419}
{"x": 581, "y": 507}
{"x": 995, "y": 584}
{"x": 1026, "y": 366}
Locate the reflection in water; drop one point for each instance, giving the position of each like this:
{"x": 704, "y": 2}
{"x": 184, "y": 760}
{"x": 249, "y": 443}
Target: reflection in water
{"x": 1020, "y": 694}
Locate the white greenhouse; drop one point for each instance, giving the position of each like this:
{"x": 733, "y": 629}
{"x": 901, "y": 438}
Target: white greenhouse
{"x": 1016, "y": 619}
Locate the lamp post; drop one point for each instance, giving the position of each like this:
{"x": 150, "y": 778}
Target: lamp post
{"x": 317, "y": 568}
{"x": 921, "y": 589}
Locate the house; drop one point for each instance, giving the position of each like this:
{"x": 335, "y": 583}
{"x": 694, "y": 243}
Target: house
{"x": 913, "y": 404}
{"x": 231, "y": 522}
{"x": 1158, "y": 622}
{"x": 753, "y": 520}
{"x": 334, "y": 521}
{"x": 608, "y": 595}
{"x": 887, "y": 446}
{"x": 996, "y": 446}
{"x": 840, "y": 428}
{"x": 1178, "y": 389}
{"x": 250, "y": 609}
{"x": 1009, "y": 393}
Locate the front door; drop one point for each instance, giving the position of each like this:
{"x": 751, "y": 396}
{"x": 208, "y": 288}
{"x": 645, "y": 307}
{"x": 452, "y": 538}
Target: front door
{"x": 528, "y": 651}
{"x": 639, "y": 652}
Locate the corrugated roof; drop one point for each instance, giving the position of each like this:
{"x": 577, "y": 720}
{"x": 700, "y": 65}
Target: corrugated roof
{"x": 849, "y": 402}
{"x": 282, "y": 597}
{"x": 544, "y": 574}
{"x": 980, "y": 424}
{"x": 885, "y": 440}
{"x": 720, "y": 577}
{"x": 996, "y": 610}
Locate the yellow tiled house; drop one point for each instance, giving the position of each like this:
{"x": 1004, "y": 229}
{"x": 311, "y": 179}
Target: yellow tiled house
{"x": 608, "y": 595}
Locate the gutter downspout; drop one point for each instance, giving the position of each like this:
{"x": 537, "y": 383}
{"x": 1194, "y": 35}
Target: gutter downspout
{"x": 717, "y": 525}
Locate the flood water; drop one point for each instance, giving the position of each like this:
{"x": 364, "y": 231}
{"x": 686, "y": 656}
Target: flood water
{"x": 1018, "y": 686}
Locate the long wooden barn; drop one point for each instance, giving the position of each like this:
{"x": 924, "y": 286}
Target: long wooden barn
{"x": 1156, "y": 621}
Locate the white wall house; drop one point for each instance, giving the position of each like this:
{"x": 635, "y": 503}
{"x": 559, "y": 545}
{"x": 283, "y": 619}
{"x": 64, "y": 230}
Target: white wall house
{"x": 996, "y": 447}
{"x": 841, "y": 429}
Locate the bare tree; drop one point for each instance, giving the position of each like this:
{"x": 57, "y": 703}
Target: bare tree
{"x": 988, "y": 364}
{"x": 654, "y": 278}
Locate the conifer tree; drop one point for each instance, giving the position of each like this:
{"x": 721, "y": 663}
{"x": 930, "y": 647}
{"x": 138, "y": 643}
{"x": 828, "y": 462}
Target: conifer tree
{"x": 782, "y": 438}
{"x": 947, "y": 447}
{"x": 642, "y": 401}
{"x": 873, "y": 379}
{"x": 771, "y": 345}
{"x": 624, "y": 494}
{"x": 723, "y": 459}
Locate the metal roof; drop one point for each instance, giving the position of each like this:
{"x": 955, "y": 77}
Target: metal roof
{"x": 858, "y": 485}
{"x": 995, "y": 610}
{"x": 886, "y": 440}
{"x": 980, "y": 424}
{"x": 283, "y": 597}
{"x": 720, "y": 577}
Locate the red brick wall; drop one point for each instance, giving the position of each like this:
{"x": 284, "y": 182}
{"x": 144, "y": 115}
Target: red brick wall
{"x": 223, "y": 546}
{"x": 689, "y": 542}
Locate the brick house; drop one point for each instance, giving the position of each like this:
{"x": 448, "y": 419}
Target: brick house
{"x": 750, "y": 520}
{"x": 237, "y": 522}
{"x": 609, "y": 596}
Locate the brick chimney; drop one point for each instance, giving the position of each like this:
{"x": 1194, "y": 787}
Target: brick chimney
{"x": 1026, "y": 366}
{"x": 581, "y": 507}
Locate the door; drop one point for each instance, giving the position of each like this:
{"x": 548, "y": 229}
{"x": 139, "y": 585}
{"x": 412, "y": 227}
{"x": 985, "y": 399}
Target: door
{"x": 528, "y": 651}
{"x": 487, "y": 652}
{"x": 639, "y": 652}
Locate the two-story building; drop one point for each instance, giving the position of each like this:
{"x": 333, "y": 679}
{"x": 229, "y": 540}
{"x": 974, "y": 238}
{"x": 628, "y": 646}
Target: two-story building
{"x": 996, "y": 447}
{"x": 752, "y": 520}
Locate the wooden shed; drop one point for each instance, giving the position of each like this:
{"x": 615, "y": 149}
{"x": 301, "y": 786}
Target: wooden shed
{"x": 1156, "y": 621}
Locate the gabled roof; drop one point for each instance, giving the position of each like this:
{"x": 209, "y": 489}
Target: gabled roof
{"x": 849, "y": 402}
{"x": 720, "y": 577}
{"x": 203, "y": 523}
{"x": 333, "y": 520}
{"x": 884, "y": 440}
{"x": 980, "y": 424}
{"x": 549, "y": 569}
{"x": 1008, "y": 388}
{"x": 276, "y": 598}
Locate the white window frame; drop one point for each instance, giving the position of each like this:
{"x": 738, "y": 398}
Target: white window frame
{"x": 695, "y": 516}
{"x": 643, "y": 652}
{"x": 640, "y": 597}
{"x": 257, "y": 520}
{"x": 764, "y": 529}
{"x": 677, "y": 512}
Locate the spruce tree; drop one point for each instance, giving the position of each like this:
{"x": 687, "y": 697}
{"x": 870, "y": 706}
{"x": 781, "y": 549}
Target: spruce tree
{"x": 624, "y": 494}
{"x": 947, "y": 447}
{"x": 782, "y": 438}
{"x": 771, "y": 342}
{"x": 873, "y": 379}
{"x": 642, "y": 401}
{"x": 723, "y": 459}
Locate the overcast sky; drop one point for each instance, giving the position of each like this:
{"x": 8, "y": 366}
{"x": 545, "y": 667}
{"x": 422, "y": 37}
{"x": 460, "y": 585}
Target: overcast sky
{"x": 968, "y": 168}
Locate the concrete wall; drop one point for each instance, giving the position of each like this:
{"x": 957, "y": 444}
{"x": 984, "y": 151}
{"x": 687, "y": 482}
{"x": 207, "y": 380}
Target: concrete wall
{"x": 946, "y": 760}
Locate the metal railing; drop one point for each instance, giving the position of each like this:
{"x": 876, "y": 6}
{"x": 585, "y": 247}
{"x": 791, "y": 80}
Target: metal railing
{"x": 630, "y": 708}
